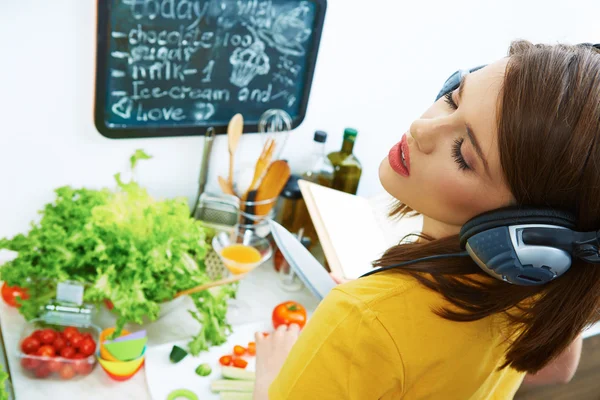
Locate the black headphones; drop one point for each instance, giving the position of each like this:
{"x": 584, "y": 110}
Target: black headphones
{"x": 522, "y": 246}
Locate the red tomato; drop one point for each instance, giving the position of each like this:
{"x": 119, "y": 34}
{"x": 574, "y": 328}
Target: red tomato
{"x": 67, "y": 352}
{"x": 76, "y": 340}
{"x": 252, "y": 348}
{"x": 42, "y": 371}
{"x": 46, "y": 351}
{"x": 54, "y": 365}
{"x": 30, "y": 363}
{"x": 225, "y": 360}
{"x": 59, "y": 344}
{"x": 67, "y": 372}
{"x": 30, "y": 345}
{"x": 239, "y": 350}
{"x": 69, "y": 332}
{"x": 109, "y": 304}
{"x": 87, "y": 335}
{"x": 37, "y": 334}
{"x": 289, "y": 313}
{"x": 87, "y": 347}
{"x": 83, "y": 365}
{"x": 240, "y": 363}
{"x": 12, "y": 294}
{"x": 48, "y": 336}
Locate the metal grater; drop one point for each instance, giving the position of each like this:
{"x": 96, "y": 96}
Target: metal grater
{"x": 222, "y": 213}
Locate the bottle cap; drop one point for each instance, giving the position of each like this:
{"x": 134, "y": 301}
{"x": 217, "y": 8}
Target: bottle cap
{"x": 320, "y": 137}
{"x": 292, "y": 189}
{"x": 350, "y": 133}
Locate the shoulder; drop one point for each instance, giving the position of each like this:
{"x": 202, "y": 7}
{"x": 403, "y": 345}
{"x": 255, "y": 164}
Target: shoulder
{"x": 377, "y": 289}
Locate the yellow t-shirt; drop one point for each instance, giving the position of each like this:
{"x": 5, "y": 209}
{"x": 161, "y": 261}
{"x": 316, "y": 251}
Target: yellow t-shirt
{"x": 377, "y": 338}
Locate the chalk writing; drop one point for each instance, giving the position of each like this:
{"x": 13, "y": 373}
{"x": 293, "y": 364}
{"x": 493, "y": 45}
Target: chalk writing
{"x": 186, "y": 63}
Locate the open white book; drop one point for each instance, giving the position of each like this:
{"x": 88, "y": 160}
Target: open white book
{"x": 354, "y": 231}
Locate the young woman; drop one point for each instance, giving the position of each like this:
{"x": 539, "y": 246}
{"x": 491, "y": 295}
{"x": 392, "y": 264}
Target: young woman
{"x": 523, "y": 131}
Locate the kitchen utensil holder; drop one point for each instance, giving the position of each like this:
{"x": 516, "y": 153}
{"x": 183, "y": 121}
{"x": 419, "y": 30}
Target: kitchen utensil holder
{"x": 249, "y": 220}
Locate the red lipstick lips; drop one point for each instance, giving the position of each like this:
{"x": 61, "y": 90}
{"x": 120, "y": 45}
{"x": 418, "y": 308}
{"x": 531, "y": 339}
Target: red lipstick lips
{"x": 399, "y": 157}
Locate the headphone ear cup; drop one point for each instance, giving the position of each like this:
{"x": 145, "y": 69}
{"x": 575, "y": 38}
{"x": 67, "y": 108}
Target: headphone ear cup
{"x": 514, "y": 216}
{"x": 494, "y": 252}
{"x": 487, "y": 239}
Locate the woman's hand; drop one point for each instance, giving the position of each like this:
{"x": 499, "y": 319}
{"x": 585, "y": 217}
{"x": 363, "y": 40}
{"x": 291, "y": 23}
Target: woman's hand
{"x": 271, "y": 353}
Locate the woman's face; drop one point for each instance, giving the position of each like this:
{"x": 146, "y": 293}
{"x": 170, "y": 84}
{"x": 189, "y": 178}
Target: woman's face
{"x": 452, "y": 173}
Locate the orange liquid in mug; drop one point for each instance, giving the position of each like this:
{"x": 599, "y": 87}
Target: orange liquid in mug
{"x": 241, "y": 255}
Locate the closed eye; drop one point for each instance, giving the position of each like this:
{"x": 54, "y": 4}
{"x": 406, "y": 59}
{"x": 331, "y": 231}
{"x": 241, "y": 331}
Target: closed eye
{"x": 450, "y": 101}
{"x": 456, "y": 147}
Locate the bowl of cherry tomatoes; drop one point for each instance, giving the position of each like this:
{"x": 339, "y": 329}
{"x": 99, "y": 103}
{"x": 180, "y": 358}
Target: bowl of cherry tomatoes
{"x": 51, "y": 351}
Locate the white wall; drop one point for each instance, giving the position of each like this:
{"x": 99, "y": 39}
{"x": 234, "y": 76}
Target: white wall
{"x": 380, "y": 66}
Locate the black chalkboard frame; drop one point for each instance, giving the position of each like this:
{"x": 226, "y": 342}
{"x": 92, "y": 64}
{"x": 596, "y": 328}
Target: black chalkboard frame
{"x": 102, "y": 55}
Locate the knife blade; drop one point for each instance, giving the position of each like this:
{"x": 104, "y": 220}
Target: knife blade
{"x": 305, "y": 265}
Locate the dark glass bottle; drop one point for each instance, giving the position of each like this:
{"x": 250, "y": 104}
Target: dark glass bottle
{"x": 346, "y": 167}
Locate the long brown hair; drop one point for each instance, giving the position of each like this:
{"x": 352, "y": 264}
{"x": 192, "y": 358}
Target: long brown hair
{"x": 548, "y": 130}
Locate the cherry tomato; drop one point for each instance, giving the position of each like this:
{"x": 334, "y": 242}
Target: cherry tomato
{"x": 42, "y": 371}
{"x": 288, "y": 313}
{"x": 67, "y": 352}
{"x": 82, "y": 365}
{"x": 76, "y": 340}
{"x": 239, "y": 350}
{"x": 30, "y": 345}
{"x": 59, "y": 344}
{"x": 48, "y": 336}
{"x": 240, "y": 363}
{"x": 13, "y": 294}
{"x": 46, "y": 351}
{"x": 87, "y": 335}
{"x": 67, "y": 372}
{"x": 225, "y": 360}
{"x": 37, "y": 334}
{"x": 69, "y": 332}
{"x": 30, "y": 363}
{"x": 252, "y": 348}
{"x": 87, "y": 347}
{"x": 109, "y": 304}
{"x": 55, "y": 365}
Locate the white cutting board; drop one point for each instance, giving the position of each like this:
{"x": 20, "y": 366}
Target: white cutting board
{"x": 163, "y": 377}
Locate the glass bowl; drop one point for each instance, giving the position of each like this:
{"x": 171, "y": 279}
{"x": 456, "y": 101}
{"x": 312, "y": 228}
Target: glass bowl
{"x": 247, "y": 238}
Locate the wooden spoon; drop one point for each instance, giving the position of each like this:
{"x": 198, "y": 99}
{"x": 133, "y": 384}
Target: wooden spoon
{"x": 234, "y": 133}
{"x": 225, "y": 187}
{"x": 271, "y": 186}
{"x": 209, "y": 285}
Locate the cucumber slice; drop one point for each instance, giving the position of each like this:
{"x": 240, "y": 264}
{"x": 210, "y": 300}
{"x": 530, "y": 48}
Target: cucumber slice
{"x": 236, "y": 396}
{"x": 182, "y": 393}
{"x": 238, "y": 374}
{"x": 228, "y": 385}
{"x": 177, "y": 354}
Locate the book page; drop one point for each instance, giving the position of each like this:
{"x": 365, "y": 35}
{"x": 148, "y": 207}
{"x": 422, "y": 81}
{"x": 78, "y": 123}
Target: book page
{"x": 352, "y": 229}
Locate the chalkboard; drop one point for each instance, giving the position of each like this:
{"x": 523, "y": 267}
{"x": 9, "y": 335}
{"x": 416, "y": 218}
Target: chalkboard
{"x": 178, "y": 67}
